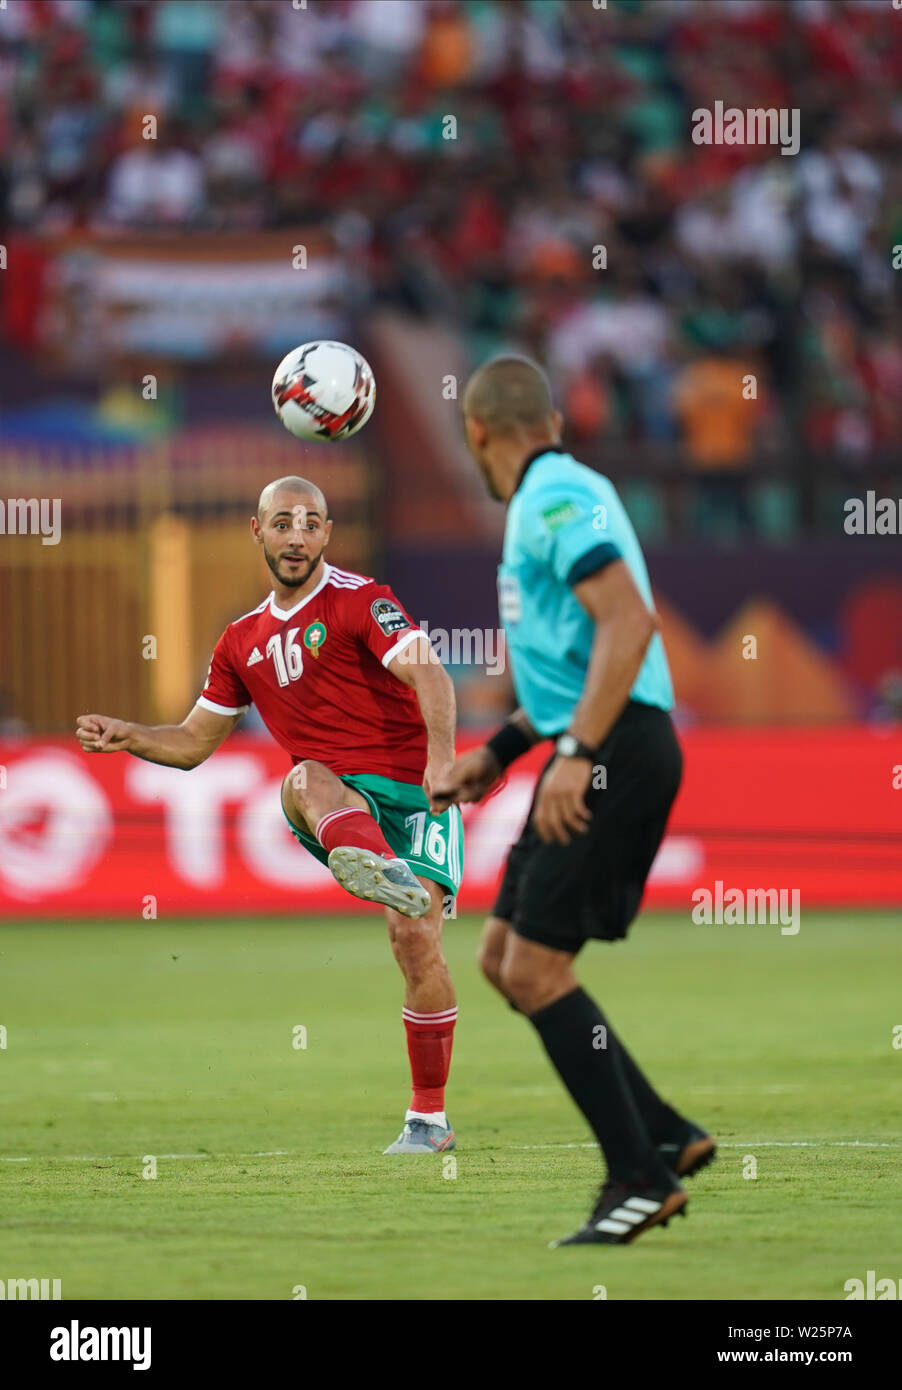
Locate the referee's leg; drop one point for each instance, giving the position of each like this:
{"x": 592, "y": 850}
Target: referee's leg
{"x": 491, "y": 950}
{"x": 574, "y": 1032}
{"x": 535, "y": 976}
{"x": 527, "y": 978}
{"x": 664, "y": 1123}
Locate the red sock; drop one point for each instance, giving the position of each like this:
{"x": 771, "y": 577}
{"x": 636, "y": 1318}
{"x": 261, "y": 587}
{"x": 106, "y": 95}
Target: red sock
{"x": 352, "y": 827}
{"x": 429, "y": 1040}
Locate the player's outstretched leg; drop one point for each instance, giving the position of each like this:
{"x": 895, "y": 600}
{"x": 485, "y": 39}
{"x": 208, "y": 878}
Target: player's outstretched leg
{"x": 429, "y": 1014}
{"x": 641, "y": 1190}
{"x": 684, "y": 1146}
{"x": 360, "y": 858}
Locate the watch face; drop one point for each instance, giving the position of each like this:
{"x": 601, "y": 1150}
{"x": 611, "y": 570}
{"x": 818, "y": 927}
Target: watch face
{"x": 567, "y": 745}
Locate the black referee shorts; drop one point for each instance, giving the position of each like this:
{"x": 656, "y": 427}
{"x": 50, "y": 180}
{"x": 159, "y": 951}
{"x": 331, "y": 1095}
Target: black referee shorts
{"x": 561, "y": 895}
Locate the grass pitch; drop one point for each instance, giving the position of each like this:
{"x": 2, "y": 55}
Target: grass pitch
{"x": 174, "y": 1041}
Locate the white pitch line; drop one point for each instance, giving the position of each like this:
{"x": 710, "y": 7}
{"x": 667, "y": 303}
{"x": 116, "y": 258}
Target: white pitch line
{"x": 757, "y": 1144}
{"x": 814, "y": 1144}
{"x": 518, "y": 1148}
{"x": 111, "y": 1158}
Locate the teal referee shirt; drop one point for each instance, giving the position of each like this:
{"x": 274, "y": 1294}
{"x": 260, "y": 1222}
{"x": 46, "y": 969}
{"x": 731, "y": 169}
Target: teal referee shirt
{"x": 565, "y": 522}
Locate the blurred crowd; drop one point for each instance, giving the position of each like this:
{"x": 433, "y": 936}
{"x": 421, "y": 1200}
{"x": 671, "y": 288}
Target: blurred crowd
{"x": 524, "y": 169}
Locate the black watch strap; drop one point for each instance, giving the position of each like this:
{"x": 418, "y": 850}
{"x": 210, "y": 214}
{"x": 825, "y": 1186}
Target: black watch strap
{"x": 569, "y": 746}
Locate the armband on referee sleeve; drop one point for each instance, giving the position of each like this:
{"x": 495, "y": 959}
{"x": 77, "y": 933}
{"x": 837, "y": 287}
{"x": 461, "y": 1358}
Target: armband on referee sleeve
{"x": 508, "y": 743}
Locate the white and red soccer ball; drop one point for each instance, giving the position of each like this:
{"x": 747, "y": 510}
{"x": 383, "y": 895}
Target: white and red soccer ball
{"x": 324, "y": 391}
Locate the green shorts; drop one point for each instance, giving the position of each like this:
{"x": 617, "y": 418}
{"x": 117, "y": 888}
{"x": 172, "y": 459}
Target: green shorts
{"x": 433, "y": 846}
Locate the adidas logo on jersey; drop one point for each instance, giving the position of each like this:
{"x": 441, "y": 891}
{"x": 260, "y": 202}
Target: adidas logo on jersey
{"x": 255, "y": 656}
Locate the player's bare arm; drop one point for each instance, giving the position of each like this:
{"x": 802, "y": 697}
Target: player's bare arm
{"x": 475, "y": 772}
{"x": 624, "y": 626}
{"x": 418, "y": 667}
{"x": 184, "y": 745}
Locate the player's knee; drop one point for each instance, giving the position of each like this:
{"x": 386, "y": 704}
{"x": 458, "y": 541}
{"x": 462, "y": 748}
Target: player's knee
{"x": 490, "y": 955}
{"x": 296, "y": 784}
{"x": 489, "y": 963}
{"x": 518, "y": 981}
{"x": 491, "y": 949}
{"x": 415, "y": 942}
{"x": 533, "y": 982}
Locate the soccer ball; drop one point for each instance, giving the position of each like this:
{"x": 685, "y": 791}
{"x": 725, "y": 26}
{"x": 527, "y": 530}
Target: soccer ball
{"x": 324, "y": 391}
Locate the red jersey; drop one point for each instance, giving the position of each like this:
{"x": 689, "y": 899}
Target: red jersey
{"x": 317, "y": 674}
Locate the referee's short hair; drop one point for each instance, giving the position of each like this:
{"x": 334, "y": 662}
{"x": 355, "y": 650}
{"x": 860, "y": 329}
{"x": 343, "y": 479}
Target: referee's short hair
{"x": 508, "y": 395}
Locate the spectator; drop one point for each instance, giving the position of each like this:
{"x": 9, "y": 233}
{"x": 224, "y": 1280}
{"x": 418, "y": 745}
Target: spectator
{"x": 718, "y": 414}
{"x": 571, "y": 136}
{"x": 157, "y": 183}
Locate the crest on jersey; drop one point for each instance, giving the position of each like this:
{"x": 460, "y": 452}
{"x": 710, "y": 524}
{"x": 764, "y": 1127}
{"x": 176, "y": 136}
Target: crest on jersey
{"x": 388, "y": 615}
{"x": 314, "y": 637}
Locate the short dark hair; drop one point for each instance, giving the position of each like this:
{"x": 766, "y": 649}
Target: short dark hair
{"x": 509, "y": 394}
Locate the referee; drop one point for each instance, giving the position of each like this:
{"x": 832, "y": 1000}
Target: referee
{"x": 589, "y": 670}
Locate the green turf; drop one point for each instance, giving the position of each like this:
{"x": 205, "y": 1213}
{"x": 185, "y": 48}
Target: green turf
{"x": 175, "y": 1038}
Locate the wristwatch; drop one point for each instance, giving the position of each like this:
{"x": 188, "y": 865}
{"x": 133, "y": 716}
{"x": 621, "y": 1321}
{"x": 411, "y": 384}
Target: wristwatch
{"x": 569, "y": 746}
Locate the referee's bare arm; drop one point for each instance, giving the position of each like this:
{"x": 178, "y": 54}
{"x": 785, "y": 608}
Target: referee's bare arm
{"x": 624, "y": 626}
{"x": 184, "y": 745}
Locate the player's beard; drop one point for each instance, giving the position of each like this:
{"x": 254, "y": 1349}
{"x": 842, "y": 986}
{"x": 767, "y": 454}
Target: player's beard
{"x": 293, "y": 581}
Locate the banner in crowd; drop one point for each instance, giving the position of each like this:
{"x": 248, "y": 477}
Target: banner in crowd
{"x": 813, "y": 810}
{"x": 186, "y": 298}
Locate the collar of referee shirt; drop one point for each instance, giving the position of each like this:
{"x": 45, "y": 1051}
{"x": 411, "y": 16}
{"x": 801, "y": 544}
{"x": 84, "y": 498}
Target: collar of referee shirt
{"x": 537, "y": 454}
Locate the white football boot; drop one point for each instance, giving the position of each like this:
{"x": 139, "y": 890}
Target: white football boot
{"x": 371, "y": 876}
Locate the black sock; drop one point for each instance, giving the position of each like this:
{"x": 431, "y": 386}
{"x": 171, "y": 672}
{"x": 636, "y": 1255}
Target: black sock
{"x": 660, "y": 1119}
{"x": 594, "y": 1076}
